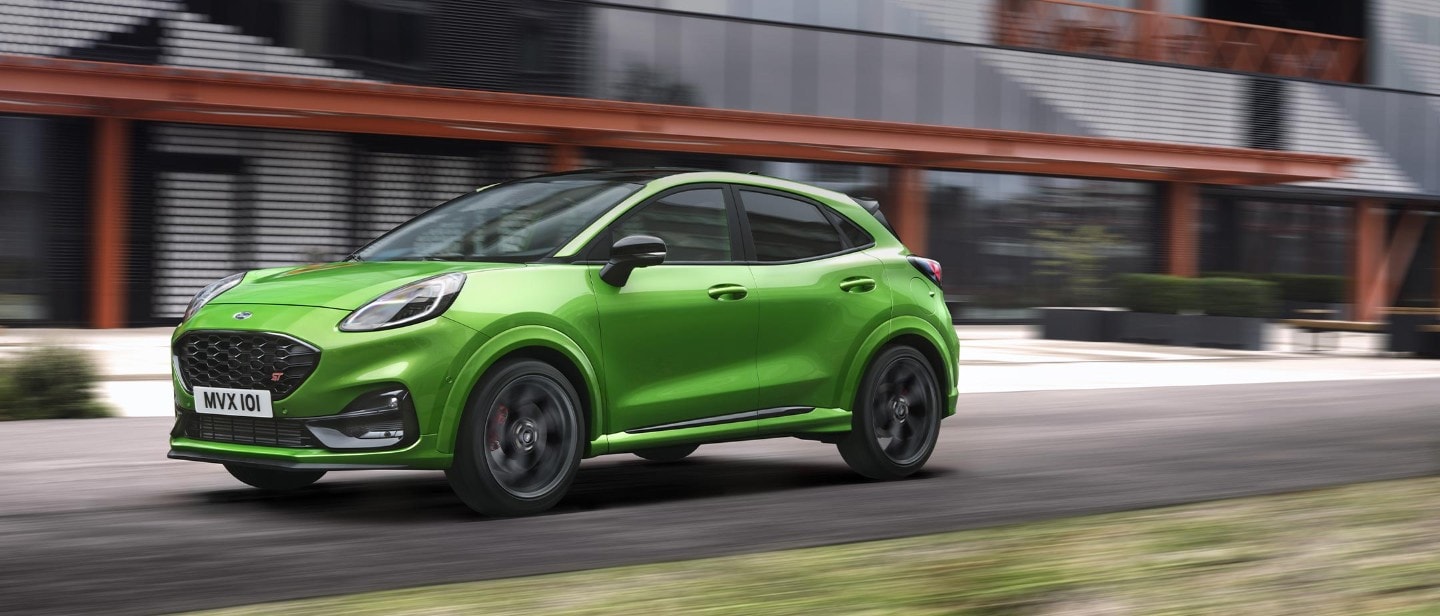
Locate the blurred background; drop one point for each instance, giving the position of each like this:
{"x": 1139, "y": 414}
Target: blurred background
{"x": 150, "y": 146}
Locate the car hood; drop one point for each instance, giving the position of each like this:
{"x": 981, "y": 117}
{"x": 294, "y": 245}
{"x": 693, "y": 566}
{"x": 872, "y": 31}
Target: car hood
{"x": 346, "y": 286}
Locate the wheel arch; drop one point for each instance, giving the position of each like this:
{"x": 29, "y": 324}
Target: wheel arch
{"x": 530, "y": 342}
{"x": 908, "y": 330}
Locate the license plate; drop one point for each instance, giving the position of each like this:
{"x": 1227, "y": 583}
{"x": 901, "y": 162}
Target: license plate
{"x": 235, "y": 402}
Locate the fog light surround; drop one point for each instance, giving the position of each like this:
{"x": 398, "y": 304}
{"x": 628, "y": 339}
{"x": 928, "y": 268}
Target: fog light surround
{"x": 377, "y": 420}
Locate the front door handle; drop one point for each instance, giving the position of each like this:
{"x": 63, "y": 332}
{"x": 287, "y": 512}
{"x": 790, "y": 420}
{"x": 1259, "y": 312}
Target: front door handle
{"x": 727, "y": 292}
{"x": 857, "y": 284}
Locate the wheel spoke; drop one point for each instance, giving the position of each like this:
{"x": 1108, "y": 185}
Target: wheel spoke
{"x": 528, "y": 434}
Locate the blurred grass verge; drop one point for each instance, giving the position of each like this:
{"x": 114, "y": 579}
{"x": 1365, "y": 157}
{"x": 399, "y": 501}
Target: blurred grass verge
{"x": 49, "y": 383}
{"x": 1362, "y": 549}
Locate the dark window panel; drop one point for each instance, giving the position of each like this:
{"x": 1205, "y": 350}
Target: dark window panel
{"x": 786, "y": 229}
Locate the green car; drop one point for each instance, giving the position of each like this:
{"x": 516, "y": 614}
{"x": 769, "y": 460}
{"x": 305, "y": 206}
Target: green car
{"x": 511, "y": 332}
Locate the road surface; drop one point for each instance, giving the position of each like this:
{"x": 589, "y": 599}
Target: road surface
{"x": 93, "y": 519}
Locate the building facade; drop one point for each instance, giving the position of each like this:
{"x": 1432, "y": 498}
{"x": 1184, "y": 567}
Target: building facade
{"x": 150, "y": 146}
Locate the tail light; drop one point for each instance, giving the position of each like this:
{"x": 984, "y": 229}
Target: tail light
{"x": 930, "y": 267}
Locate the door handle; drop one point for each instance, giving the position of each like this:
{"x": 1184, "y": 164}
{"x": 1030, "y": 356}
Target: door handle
{"x": 727, "y": 292}
{"x": 857, "y": 284}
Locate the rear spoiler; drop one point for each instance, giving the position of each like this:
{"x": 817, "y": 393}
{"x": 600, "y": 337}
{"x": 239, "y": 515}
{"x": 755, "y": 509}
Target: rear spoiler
{"x": 873, "y": 207}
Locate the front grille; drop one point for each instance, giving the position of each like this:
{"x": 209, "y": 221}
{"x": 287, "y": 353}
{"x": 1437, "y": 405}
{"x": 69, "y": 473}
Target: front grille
{"x": 247, "y": 430}
{"x": 245, "y": 360}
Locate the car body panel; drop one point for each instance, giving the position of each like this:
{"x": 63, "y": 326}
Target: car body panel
{"x": 656, "y": 351}
{"x": 810, "y": 327}
{"x": 674, "y": 353}
{"x": 346, "y": 285}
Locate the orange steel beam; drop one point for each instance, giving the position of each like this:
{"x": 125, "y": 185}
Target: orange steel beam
{"x": 1368, "y": 275}
{"x": 108, "y": 274}
{"x": 249, "y": 99}
{"x": 1183, "y": 245}
{"x": 1400, "y": 252}
{"x": 907, "y": 209}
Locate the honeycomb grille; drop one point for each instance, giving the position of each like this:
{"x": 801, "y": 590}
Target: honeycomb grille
{"x": 245, "y": 360}
{"x": 247, "y": 430}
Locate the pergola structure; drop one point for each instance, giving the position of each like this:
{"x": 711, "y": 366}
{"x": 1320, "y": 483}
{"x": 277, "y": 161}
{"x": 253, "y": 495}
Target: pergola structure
{"x": 115, "y": 94}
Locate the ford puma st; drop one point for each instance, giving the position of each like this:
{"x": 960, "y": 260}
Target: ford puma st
{"x": 509, "y": 333}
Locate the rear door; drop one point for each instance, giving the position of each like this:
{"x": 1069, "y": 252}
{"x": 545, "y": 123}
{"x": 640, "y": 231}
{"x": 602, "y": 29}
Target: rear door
{"x": 820, "y": 294}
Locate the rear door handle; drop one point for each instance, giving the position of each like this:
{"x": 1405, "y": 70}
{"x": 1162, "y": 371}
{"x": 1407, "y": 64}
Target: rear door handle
{"x": 727, "y": 292}
{"x": 857, "y": 284}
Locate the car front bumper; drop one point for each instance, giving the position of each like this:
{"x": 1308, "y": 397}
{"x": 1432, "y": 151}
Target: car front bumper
{"x": 423, "y": 359}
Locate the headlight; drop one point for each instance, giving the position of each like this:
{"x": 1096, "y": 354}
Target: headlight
{"x": 210, "y": 292}
{"x": 412, "y": 303}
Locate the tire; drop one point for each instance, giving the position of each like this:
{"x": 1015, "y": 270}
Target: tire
{"x": 896, "y": 419}
{"x": 673, "y": 453}
{"x": 273, "y": 479}
{"x": 520, "y": 441}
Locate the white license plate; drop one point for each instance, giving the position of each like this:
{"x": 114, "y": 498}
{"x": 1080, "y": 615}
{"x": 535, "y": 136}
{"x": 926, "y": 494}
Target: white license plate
{"x": 236, "y": 402}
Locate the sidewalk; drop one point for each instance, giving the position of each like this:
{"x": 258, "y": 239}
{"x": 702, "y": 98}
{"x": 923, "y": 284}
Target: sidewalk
{"x": 135, "y": 363}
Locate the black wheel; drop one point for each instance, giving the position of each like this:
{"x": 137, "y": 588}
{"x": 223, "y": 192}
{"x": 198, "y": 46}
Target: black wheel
{"x": 896, "y": 417}
{"x": 519, "y": 442}
{"x": 275, "y": 479}
{"x": 673, "y": 453}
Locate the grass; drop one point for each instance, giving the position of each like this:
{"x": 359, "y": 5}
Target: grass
{"x": 1363, "y": 549}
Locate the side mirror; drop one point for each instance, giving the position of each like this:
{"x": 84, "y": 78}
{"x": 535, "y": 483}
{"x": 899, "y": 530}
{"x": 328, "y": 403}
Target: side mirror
{"x": 629, "y": 253}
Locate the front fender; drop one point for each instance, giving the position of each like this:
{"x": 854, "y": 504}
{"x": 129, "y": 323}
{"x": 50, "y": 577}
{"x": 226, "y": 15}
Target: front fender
{"x": 503, "y": 344}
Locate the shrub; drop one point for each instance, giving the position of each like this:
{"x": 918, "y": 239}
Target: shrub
{"x": 1314, "y": 288}
{"x": 1156, "y": 293}
{"x": 49, "y": 383}
{"x": 1236, "y": 297}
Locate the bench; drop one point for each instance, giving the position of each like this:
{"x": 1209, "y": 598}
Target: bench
{"x": 1316, "y": 327}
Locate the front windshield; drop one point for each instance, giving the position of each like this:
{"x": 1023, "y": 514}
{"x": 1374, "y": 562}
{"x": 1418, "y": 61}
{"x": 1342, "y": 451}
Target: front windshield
{"x": 516, "y": 221}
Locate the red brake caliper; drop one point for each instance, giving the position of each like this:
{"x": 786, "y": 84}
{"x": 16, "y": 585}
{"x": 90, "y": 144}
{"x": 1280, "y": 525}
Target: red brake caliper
{"x": 497, "y": 427}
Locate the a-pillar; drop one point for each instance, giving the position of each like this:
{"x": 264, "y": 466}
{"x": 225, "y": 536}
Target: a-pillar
{"x": 109, "y": 219}
{"x": 906, "y": 209}
{"x": 1368, "y": 271}
{"x": 1182, "y": 241}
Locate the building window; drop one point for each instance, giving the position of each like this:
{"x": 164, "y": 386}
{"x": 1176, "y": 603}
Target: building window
{"x": 380, "y": 34}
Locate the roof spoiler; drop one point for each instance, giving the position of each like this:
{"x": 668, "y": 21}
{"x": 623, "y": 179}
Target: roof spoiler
{"x": 873, "y": 206}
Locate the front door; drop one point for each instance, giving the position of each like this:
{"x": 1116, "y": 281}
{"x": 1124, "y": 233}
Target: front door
{"x": 678, "y": 340}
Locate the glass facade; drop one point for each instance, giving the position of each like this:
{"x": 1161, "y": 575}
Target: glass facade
{"x": 23, "y": 285}
{"x": 1254, "y": 235}
{"x": 1012, "y": 242}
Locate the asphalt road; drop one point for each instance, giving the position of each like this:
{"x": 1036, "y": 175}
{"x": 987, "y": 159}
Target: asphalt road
{"x": 93, "y": 519}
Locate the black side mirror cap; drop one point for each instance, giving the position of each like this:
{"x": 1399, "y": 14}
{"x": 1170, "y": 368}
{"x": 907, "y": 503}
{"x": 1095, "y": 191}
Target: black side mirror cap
{"x": 629, "y": 253}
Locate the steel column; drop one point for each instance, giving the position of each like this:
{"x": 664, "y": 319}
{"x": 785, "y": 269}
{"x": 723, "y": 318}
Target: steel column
{"x": 907, "y": 209}
{"x": 564, "y": 157}
{"x": 1182, "y": 202}
{"x": 1368, "y": 272}
{"x": 109, "y": 218}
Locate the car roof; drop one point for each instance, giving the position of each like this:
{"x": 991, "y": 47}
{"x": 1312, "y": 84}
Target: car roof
{"x": 683, "y": 175}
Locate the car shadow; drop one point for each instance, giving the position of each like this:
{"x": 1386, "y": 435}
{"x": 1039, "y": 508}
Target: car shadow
{"x": 426, "y": 497}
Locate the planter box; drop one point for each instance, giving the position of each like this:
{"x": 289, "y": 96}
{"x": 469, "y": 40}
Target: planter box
{"x": 1088, "y": 324}
{"x": 1244, "y": 333}
{"x": 1152, "y": 328}
{"x": 1403, "y": 331}
{"x": 956, "y": 306}
{"x": 1316, "y": 310}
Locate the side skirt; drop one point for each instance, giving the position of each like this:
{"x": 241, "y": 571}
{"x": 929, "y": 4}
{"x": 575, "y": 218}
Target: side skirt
{"x": 750, "y": 425}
